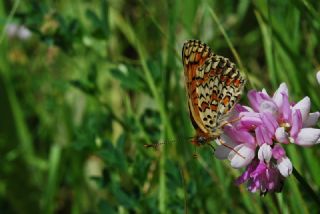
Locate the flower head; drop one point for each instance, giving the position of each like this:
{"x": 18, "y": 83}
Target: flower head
{"x": 19, "y": 31}
{"x": 258, "y": 138}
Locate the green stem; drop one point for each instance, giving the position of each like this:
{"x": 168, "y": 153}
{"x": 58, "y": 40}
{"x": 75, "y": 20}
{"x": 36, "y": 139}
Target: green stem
{"x": 12, "y": 12}
{"x": 233, "y": 50}
{"x": 52, "y": 185}
{"x": 111, "y": 112}
{"x": 306, "y": 186}
{"x": 129, "y": 32}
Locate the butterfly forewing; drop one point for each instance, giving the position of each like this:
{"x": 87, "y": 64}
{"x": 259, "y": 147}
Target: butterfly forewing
{"x": 214, "y": 85}
{"x": 194, "y": 55}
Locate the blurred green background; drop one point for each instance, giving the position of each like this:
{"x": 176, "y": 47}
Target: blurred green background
{"x": 85, "y": 84}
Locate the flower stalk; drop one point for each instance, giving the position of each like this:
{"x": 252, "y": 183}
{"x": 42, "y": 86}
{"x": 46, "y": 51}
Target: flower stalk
{"x": 304, "y": 184}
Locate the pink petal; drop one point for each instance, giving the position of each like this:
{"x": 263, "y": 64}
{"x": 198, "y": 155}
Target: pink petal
{"x": 246, "y": 155}
{"x": 240, "y": 108}
{"x": 296, "y": 123}
{"x": 222, "y": 151}
{"x": 312, "y": 119}
{"x": 281, "y": 135}
{"x": 262, "y": 136}
{"x": 249, "y": 119}
{"x": 265, "y": 153}
{"x": 278, "y": 152}
{"x": 256, "y": 99}
{"x": 304, "y": 107}
{"x": 260, "y": 169}
{"x": 285, "y": 166}
{"x": 268, "y": 106}
{"x": 246, "y": 174}
{"x": 241, "y": 136}
{"x": 318, "y": 76}
{"x": 253, "y": 99}
{"x": 253, "y": 187}
{"x": 308, "y": 137}
{"x": 232, "y": 115}
{"x": 285, "y": 109}
{"x": 278, "y": 97}
{"x": 274, "y": 183}
{"x": 247, "y": 108}
{"x": 269, "y": 122}
{"x": 265, "y": 92}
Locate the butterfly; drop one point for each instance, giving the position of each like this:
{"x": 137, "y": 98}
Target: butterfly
{"x": 214, "y": 85}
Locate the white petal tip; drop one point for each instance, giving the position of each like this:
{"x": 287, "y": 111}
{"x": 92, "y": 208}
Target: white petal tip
{"x": 318, "y": 77}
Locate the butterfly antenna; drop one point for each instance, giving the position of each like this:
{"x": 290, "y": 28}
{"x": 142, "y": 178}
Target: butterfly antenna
{"x": 153, "y": 145}
{"x": 156, "y": 145}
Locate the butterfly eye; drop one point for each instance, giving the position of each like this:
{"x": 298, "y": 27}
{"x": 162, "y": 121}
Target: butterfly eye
{"x": 202, "y": 140}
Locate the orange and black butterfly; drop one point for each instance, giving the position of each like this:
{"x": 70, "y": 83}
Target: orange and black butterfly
{"x": 214, "y": 86}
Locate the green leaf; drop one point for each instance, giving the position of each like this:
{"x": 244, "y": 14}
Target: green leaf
{"x": 130, "y": 78}
{"x": 104, "y": 207}
{"x": 86, "y": 88}
{"x": 122, "y": 197}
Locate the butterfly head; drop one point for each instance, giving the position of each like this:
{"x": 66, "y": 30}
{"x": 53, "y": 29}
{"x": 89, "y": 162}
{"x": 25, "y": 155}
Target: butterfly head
{"x": 202, "y": 138}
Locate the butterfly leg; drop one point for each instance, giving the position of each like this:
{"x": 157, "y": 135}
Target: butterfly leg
{"x": 229, "y": 147}
{"x": 155, "y": 146}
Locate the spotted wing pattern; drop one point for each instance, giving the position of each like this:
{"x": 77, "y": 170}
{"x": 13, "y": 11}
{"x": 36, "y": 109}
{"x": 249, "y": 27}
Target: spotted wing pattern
{"x": 214, "y": 85}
